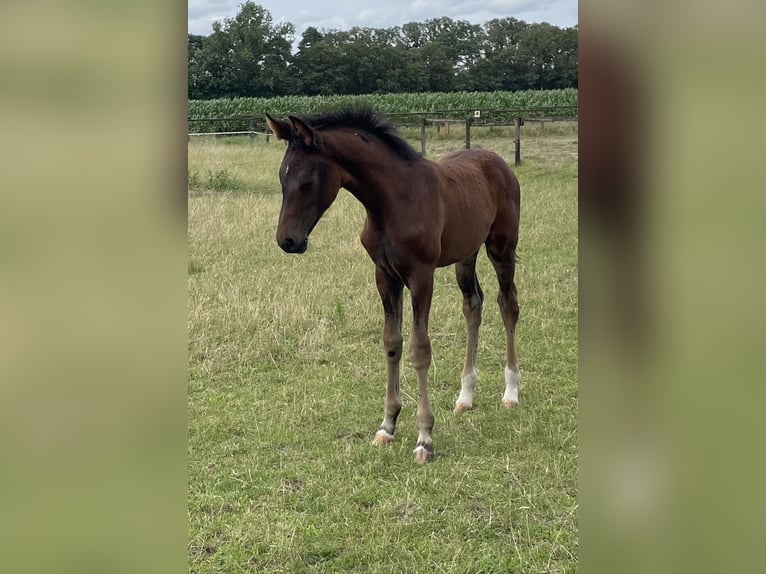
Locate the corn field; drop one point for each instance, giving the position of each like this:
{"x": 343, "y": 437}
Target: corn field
{"x": 407, "y": 108}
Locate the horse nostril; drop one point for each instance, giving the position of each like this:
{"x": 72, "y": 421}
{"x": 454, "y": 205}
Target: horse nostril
{"x": 292, "y": 245}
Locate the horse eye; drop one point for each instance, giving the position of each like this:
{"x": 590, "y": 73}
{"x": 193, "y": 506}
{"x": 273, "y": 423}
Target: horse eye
{"x": 305, "y": 187}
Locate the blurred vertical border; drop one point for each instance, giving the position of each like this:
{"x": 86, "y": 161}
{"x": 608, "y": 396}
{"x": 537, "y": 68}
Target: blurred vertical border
{"x": 672, "y": 281}
{"x": 93, "y": 288}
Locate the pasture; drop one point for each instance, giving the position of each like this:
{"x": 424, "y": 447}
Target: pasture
{"x": 287, "y": 381}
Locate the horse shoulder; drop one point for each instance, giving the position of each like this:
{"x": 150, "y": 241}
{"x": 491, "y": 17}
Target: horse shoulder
{"x": 371, "y": 239}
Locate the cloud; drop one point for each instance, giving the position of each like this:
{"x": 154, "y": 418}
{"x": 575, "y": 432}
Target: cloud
{"x": 423, "y": 7}
{"x": 200, "y": 9}
{"x": 368, "y": 15}
{"x": 203, "y": 25}
{"x": 343, "y": 14}
{"x": 330, "y": 23}
{"x": 202, "y": 14}
{"x": 498, "y": 8}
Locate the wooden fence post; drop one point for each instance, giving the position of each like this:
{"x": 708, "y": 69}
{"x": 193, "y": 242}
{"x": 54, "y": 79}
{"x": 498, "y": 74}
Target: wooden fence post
{"x": 268, "y": 132}
{"x": 468, "y": 133}
{"x": 251, "y": 135}
{"x": 423, "y": 136}
{"x": 517, "y": 139}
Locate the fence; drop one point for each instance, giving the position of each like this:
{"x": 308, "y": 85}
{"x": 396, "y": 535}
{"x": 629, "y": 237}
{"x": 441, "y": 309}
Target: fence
{"x": 441, "y": 119}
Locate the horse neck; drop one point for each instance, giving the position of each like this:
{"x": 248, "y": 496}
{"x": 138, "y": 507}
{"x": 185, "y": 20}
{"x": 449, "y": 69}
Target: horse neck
{"x": 371, "y": 169}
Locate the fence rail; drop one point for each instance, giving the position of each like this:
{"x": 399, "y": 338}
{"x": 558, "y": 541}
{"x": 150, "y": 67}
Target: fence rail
{"x": 226, "y": 133}
{"x": 474, "y": 117}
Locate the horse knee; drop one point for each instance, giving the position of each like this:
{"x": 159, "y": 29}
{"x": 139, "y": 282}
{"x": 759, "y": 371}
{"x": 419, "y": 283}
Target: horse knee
{"x": 393, "y": 346}
{"x": 420, "y": 354}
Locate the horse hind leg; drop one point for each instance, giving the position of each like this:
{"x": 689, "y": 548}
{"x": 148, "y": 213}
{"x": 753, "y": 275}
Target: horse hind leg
{"x": 502, "y": 254}
{"x": 473, "y": 299}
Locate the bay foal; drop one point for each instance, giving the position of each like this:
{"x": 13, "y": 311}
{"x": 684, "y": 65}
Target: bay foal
{"x": 420, "y": 215}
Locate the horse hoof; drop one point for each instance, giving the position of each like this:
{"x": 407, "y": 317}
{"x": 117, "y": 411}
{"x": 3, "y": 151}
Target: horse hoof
{"x": 382, "y": 438}
{"x": 461, "y": 408}
{"x": 423, "y": 453}
{"x": 510, "y": 404}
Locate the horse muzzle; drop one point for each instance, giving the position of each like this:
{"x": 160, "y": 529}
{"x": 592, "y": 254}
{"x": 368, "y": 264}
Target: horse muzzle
{"x": 292, "y": 245}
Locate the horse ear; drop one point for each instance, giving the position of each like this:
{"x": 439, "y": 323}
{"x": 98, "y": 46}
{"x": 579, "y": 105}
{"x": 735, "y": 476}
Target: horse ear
{"x": 281, "y": 129}
{"x": 305, "y": 131}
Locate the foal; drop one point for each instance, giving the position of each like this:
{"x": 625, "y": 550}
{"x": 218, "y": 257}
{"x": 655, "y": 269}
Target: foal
{"x": 420, "y": 215}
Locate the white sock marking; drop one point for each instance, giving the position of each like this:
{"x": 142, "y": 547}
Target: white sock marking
{"x": 512, "y": 378}
{"x": 467, "y": 386}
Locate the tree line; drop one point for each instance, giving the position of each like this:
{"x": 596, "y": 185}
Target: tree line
{"x": 251, "y": 56}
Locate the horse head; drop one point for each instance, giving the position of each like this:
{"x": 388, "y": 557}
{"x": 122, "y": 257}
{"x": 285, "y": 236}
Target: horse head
{"x": 310, "y": 182}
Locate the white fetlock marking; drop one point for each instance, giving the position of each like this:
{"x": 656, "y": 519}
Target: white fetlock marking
{"x": 467, "y": 386}
{"x": 512, "y": 378}
{"x": 383, "y": 433}
{"x": 419, "y": 448}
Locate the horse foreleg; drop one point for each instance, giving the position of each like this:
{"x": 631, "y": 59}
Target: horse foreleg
{"x": 390, "y": 289}
{"x": 421, "y": 288}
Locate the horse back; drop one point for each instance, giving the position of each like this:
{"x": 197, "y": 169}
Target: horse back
{"x": 481, "y": 171}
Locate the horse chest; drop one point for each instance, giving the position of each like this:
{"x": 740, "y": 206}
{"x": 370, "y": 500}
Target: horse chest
{"x": 391, "y": 253}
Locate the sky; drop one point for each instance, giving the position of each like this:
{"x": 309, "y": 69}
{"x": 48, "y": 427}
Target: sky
{"x": 344, "y": 14}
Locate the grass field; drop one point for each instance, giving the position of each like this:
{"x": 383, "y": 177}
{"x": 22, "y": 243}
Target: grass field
{"x": 287, "y": 380}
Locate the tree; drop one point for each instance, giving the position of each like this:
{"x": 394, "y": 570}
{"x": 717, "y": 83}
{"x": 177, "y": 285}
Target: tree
{"x": 357, "y": 61}
{"x": 195, "y": 70}
{"x": 249, "y": 55}
{"x": 504, "y": 66}
{"x": 565, "y": 58}
{"x": 503, "y": 33}
{"x": 550, "y": 54}
{"x": 246, "y": 56}
{"x": 439, "y": 67}
{"x": 461, "y": 40}
{"x": 322, "y": 64}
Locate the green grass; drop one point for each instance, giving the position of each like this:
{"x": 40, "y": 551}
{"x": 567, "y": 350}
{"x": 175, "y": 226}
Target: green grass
{"x": 287, "y": 380}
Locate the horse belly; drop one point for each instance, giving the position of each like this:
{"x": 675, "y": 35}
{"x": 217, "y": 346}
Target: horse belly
{"x": 463, "y": 236}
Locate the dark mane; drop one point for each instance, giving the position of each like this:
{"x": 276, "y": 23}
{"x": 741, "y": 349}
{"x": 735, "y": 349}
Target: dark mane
{"x": 368, "y": 121}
